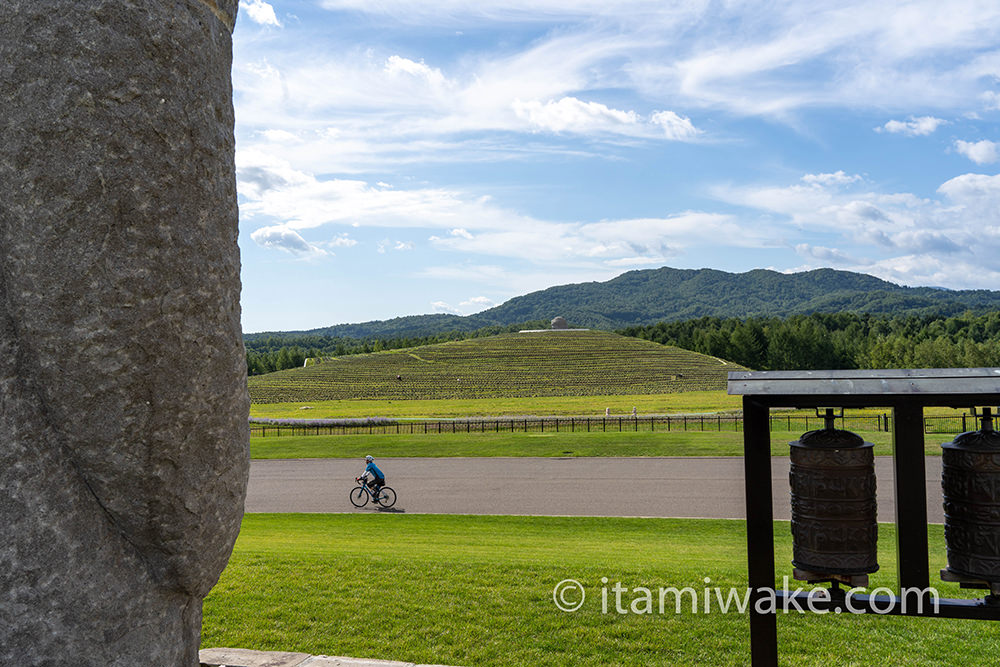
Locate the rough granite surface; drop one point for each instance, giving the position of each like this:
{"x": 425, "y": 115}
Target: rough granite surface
{"x": 123, "y": 405}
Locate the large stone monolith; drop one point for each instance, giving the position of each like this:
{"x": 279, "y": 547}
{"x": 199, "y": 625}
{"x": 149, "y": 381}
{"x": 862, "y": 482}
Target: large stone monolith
{"x": 123, "y": 406}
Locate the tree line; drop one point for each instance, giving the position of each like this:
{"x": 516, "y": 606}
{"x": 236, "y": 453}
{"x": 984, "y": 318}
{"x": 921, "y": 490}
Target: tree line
{"x": 838, "y": 340}
{"x": 807, "y": 342}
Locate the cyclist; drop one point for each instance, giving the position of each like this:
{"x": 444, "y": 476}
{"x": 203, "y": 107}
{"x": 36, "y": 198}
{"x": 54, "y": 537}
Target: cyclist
{"x": 378, "y": 479}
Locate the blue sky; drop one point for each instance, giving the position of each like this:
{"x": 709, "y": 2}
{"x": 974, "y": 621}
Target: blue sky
{"x": 399, "y": 157}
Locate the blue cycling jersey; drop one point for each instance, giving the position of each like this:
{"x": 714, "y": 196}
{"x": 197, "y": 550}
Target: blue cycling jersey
{"x": 373, "y": 469}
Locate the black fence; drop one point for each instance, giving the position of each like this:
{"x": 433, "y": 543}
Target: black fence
{"x": 656, "y": 423}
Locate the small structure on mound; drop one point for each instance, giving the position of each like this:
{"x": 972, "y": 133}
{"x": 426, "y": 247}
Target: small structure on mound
{"x": 558, "y": 324}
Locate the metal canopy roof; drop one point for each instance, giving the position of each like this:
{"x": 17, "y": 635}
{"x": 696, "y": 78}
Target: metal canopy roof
{"x": 897, "y": 382}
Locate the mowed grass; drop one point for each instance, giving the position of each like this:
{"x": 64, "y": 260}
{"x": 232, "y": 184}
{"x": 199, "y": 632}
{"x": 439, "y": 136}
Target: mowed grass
{"x": 687, "y": 402}
{"x": 643, "y": 443}
{"x": 467, "y": 590}
{"x": 676, "y": 443}
{"x": 684, "y": 402}
{"x": 549, "y": 363}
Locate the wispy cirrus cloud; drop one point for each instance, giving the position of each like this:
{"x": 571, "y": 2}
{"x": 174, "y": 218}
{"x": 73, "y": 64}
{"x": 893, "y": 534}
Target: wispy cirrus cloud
{"x": 273, "y": 190}
{"x": 633, "y": 70}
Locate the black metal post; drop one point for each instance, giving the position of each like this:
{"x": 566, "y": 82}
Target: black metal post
{"x": 760, "y": 530}
{"x": 911, "y": 495}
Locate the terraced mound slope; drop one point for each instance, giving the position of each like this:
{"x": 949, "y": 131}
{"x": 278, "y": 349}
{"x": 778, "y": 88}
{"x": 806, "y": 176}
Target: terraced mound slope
{"x": 548, "y": 363}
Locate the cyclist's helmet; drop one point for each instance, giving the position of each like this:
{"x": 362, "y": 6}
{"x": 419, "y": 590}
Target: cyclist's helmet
{"x": 369, "y": 458}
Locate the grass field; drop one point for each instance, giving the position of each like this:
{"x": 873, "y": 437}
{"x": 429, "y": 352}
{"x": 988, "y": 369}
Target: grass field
{"x": 539, "y": 444}
{"x": 567, "y": 363}
{"x": 688, "y": 402}
{"x": 478, "y": 591}
{"x": 684, "y": 402}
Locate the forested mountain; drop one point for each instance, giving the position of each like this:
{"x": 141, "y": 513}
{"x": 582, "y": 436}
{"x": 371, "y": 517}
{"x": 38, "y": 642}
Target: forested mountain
{"x": 639, "y": 298}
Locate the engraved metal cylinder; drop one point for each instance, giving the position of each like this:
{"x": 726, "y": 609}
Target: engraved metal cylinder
{"x": 834, "y": 513}
{"x": 971, "y": 485}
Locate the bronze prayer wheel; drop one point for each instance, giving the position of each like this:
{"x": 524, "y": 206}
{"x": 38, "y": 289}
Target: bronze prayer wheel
{"x": 834, "y": 526}
{"x": 971, "y": 485}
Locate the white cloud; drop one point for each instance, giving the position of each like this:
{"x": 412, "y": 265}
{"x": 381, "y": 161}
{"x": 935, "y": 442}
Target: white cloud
{"x": 343, "y": 241}
{"x": 826, "y": 255}
{"x": 980, "y": 152}
{"x": 397, "y": 65}
{"x": 774, "y": 58}
{"x": 280, "y": 136}
{"x": 992, "y": 100}
{"x": 674, "y": 126}
{"x": 949, "y": 241}
{"x": 387, "y": 244}
{"x": 913, "y": 127}
{"x": 862, "y": 212}
{"x": 449, "y": 11}
{"x": 836, "y": 178}
{"x": 975, "y": 198}
{"x": 279, "y": 237}
{"x": 609, "y": 242}
{"x": 274, "y": 191}
{"x": 478, "y": 302}
{"x": 260, "y": 12}
{"x": 636, "y": 261}
{"x": 571, "y": 114}
{"x": 928, "y": 241}
{"x": 443, "y": 307}
{"x": 769, "y": 58}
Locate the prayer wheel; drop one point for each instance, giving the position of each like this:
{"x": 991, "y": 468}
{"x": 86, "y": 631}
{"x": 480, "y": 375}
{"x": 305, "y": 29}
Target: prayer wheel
{"x": 971, "y": 485}
{"x": 834, "y": 528}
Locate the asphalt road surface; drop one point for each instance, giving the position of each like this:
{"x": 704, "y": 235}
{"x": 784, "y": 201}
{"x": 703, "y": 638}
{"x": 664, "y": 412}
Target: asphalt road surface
{"x": 687, "y": 487}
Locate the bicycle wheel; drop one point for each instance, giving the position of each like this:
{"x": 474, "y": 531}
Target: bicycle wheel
{"x": 359, "y": 497}
{"x": 386, "y": 497}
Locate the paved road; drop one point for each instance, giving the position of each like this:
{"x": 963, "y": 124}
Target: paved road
{"x": 689, "y": 487}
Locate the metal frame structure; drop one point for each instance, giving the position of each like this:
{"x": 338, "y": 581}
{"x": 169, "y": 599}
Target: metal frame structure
{"x": 906, "y": 393}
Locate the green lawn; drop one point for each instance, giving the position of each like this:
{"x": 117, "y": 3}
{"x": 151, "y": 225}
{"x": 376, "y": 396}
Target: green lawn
{"x": 684, "y": 402}
{"x": 466, "y": 590}
{"x": 643, "y": 443}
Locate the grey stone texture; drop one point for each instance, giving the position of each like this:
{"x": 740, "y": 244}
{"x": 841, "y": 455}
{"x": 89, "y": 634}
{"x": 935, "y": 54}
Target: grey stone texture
{"x": 123, "y": 405}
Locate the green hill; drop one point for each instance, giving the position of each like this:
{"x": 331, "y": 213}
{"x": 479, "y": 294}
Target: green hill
{"x": 548, "y": 363}
{"x": 646, "y": 297}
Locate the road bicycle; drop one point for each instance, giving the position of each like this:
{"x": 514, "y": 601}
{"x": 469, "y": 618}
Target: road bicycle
{"x": 361, "y": 494}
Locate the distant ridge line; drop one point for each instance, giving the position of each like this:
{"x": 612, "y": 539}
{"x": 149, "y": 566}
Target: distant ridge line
{"x": 649, "y": 296}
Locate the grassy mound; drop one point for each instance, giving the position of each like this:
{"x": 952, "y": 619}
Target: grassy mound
{"x": 550, "y": 363}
